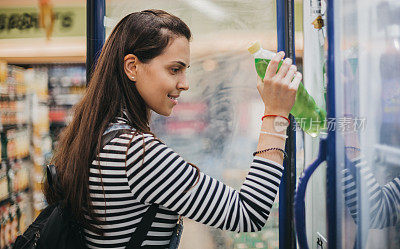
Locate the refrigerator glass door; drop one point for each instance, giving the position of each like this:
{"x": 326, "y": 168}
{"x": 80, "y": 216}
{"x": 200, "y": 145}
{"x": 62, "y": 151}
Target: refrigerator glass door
{"x": 367, "y": 96}
{"x": 314, "y": 61}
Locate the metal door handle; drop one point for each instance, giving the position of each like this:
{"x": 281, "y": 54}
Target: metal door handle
{"x": 299, "y": 204}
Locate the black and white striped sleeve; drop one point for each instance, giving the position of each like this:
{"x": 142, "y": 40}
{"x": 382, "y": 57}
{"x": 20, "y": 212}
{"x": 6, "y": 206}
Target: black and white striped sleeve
{"x": 384, "y": 202}
{"x": 159, "y": 175}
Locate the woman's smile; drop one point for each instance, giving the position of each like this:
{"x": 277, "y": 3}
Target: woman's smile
{"x": 173, "y": 99}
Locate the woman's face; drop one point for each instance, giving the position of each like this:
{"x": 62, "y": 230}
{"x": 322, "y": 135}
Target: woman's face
{"x": 161, "y": 80}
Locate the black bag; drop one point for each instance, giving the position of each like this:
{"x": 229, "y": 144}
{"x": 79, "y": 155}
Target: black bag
{"x": 54, "y": 228}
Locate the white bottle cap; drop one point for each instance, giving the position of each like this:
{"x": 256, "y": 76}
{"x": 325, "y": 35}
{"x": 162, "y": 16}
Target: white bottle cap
{"x": 255, "y": 47}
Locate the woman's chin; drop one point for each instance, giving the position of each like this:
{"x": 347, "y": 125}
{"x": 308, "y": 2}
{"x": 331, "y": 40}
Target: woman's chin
{"x": 165, "y": 113}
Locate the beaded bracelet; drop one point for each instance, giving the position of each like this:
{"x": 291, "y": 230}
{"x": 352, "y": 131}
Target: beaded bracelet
{"x": 269, "y": 149}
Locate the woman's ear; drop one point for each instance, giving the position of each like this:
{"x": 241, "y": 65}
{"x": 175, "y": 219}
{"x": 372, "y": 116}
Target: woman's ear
{"x": 130, "y": 66}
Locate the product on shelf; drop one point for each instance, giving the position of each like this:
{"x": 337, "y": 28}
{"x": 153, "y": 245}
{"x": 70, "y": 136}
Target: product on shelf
{"x": 24, "y": 211}
{"x": 3, "y": 181}
{"x": 3, "y": 187}
{"x": 36, "y": 82}
{"x": 10, "y": 224}
{"x": 41, "y": 141}
{"x": 32, "y": 101}
{"x": 15, "y": 143}
{"x": 67, "y": 84}
{"x": 13, "y": 223}
{"x": 41, "y": 150}
{"x": 18, "y": 144}
{"x": 3, "y": 75}
{"x": 20, "y": 181}
{"x": 4, "y": 226}
{"x": 12, "y": 80}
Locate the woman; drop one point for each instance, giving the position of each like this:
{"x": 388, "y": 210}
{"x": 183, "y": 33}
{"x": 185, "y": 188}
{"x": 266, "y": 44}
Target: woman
{"x": 141, "y": 68}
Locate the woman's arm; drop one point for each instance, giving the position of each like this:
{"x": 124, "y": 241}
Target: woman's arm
{"x": 384, "y": 202}
{"x": 270, "y": 141}
{"x": 161, "y": 176}
{"x": 278, "y": 92}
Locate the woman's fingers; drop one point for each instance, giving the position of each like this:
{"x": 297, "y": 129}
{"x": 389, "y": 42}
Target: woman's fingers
{"x": 290, "y": 74}
{"x": 278, "y": 89}
{"x": 284, "y": 68}
{"x": 273, "y": 65}
{"x": 296, "y": 81}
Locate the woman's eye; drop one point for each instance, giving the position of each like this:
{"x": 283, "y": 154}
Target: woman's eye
{"x": 175, "y": 70}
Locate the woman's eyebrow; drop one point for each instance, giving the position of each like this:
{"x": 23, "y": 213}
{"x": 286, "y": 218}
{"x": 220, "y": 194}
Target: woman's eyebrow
{"x": 182, "y": 63}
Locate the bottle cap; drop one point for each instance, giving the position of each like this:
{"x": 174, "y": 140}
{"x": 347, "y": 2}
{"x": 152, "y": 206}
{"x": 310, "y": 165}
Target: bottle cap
{"x": 255, "y": 47}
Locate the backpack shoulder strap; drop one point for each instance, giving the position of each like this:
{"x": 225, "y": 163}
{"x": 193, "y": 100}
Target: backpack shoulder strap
{"x": 113, "y": 131}
{"x": 107, "y": 137}
{"x": 138, "y": 236}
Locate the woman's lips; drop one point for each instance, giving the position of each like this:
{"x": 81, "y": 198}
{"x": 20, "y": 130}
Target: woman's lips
{"x": 173, "y": 100}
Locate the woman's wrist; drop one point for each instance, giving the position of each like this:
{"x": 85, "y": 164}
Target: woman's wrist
{"x": 352, "y": 152}
{"x": 276, "y": 112}
{"x": 276, "y": 123}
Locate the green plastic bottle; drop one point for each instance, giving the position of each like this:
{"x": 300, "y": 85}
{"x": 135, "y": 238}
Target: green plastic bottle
{"x": 308, "y": 115}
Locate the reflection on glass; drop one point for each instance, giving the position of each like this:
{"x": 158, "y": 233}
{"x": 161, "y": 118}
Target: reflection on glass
{"x": 390, "y": 105}
{"x": 384, "y": 201}
{"x": 370, "y": 81}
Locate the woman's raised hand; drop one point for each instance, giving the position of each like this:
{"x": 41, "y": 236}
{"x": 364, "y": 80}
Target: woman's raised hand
{"x": 278, "y": 89}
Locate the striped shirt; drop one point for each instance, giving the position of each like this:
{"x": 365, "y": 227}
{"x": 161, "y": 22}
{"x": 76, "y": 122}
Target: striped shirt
{"x": 159, "y": 175}
{"x": 384, "y": 202}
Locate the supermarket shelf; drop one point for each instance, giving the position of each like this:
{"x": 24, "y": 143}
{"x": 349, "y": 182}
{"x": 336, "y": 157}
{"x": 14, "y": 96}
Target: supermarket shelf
{"x": 58, "y": 124}
{"x": 8, "y": 97}
{"x": 7, "y": 127}
{"x": 16, "y": 160}
{"x": 68, "y": 105}
{"x": 41, "y": 50}
{"x": 11, "y": 199}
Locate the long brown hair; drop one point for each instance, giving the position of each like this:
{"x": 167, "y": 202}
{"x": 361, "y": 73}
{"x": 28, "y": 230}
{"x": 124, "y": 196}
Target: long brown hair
{"x": 145, "y": 34}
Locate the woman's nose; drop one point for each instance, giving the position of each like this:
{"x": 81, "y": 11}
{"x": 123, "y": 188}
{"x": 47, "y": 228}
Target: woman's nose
{"x": 183, "y": 85}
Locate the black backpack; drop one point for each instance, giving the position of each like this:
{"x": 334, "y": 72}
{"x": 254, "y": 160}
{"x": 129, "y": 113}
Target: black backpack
{"x": 54, "y": 228}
